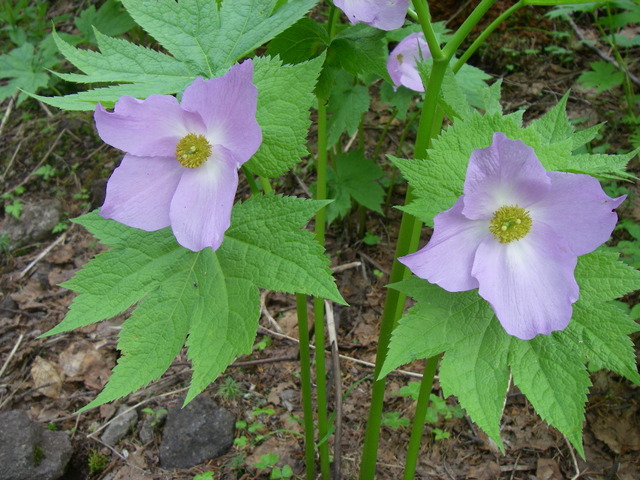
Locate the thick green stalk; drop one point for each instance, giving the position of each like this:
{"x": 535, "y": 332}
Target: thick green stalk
{"x": 465, "y": 29}
{"x": 305, "y": 379}
{"x": 424, "y": 19}
{"x": 266, "y": 185}
{"x": 252, "y": 181}
{"x": 318, "y": 303}
{"x": 418, "y": 420}
{"x": 485, "y": 33}
{"x": 430, "y": 122}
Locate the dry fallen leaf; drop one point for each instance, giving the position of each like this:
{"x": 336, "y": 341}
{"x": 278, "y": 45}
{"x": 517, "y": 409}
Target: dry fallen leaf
{"x": 46, "y": 378}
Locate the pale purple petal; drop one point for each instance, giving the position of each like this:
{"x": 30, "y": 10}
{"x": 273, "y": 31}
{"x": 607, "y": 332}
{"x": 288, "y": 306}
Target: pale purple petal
{"x": 140, "y": 190}
{"x": 147, "y": 128}
{"x": 382, "y": 14}
{"x": 403, "y": 60}
{"x": 507, "y": 172}
{"x": 448, "y": 257}
{"x": 578, "y": 210}
{"x": 201, "y": 207}
{"x": 227, "y": 106}
{"x": 529, "y": 283}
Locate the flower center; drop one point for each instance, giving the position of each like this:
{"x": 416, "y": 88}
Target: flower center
{"x": 510, "y": 223}
{"x": 193, "y": 150}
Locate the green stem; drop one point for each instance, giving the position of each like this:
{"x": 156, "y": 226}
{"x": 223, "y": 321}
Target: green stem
{"x": 305, "y": 379}
{"x": 424, "y": 18}
{"x": 465, "y": 29}
{"x": 252, "y": 181}
{"x": 418, "y": 419}
{"x": 485, "y": 33}
{"x": 409, "y": 236}
{"x": 318, "y": 303}
{"x": 266, "y": 185}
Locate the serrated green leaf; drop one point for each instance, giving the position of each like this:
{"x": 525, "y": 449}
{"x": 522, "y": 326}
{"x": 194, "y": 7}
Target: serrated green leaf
{"x": 285, "y": 95}
{"x": 265, "y": 244}
{"x": 249, "y": 24}
{"x": 153, "y": 336}
{"x": 359, "y": 49}
{"x": 203, "y": 39}
{"x": 600, "y": 333}
{"x": 108, "y": 96}
{"x": 602, "y": 277}
{"x": 116, "y": 279}
{"x": 472, "y": 83}
{"x": 452, "y": 100}
{"x": 210, "y": 298}
{"x": 582, "y": 137}
{"x": 223, "y": 325}
{"x": 109, "y": 19}
{"x": 599, "y": 165}
{"x": 437, "y": 323}
{"x": 602, "y": 76}
{"x": 347, "y": 103}
{"x": 213, "y": 39}
{"x": 122, "y": 61}
{"x": 554, "y": 126}
{"x": 354, "y": 177}
{"x": 304, "y": 40}
{"x": 555, "y": 381}
{"x": 491, "y": 98}
{"x": 399, "y": 98}
{"x": 25, "y": 70}
{"x": 477, "y": 373}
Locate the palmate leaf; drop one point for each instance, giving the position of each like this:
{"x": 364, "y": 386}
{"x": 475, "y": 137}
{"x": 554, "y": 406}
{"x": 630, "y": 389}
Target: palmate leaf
{"x": 354, "y": 177}
{"x": 202, "y": 38}
{"x": 210, "y": 299}
{"x": 438, "y": 180}
{"x": 550, "y": 370}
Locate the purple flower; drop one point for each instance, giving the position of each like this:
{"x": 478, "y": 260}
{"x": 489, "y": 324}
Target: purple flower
{"x": 515, "y": 234}
{"x": 182, "y": 159}
{"x": 403, "y": 61}
{"x": 382, "y": 14}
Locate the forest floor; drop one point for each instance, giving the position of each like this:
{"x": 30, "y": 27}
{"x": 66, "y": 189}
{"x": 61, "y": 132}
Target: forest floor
{"x": 51, "y": 378}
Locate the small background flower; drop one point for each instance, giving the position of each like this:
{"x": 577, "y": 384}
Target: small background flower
{"x": 382, "y": 14}
{"x": 181, "y": 163}
{"x": 403, "y": 60}
{"x": 515, "y": 234}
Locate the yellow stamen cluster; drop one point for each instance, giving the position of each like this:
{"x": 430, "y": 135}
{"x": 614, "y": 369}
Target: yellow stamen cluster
{"x": 509, "y": 223}
{"x": 193, "y": 150}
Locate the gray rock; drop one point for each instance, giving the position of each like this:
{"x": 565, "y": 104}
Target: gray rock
{"x": 35, "y": 224}
{"x": 30, "y": 450}
{"x": 196, "y": 433}
{"x": 121, "y": 424}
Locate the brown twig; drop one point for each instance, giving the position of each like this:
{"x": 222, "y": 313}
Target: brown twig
{"x": 335, "y": 367}
{"x": 7, "y": 112}
{"x": 366, "y": 257}
{"x": 260, "y": 361}
{"x": 13, "y": 158}
{"x": 42, "y": 254}
{"x": 346, "y": 266}
{"x": 573, "y": 457}
{"x": 265, "y": 311}
{"x": 11, "y": 354}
